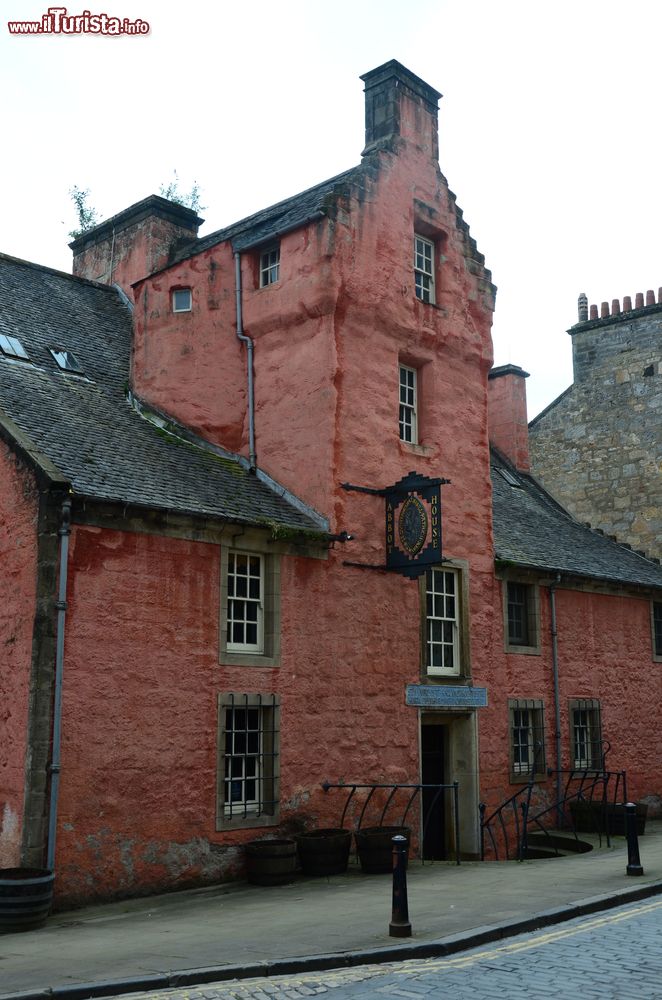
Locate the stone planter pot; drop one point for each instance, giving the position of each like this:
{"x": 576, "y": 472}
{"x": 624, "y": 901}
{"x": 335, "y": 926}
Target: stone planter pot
{"x": 324, "y": 852}
{"x": 26, "y": 897}
{"x": 589, "y": 817}
{"x": 271, "y": 862}
{"x": 375, "y": 848}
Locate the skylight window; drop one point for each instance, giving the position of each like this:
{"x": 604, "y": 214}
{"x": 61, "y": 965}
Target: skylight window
{"x": 66, "y": 361}
{"x": 511, "y": 479}
{"x": 12, "y": 347}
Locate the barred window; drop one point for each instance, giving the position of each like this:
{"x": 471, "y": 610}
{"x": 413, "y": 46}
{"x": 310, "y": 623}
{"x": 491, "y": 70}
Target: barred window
{"x": 585, "y": 735}
{"x": 527, "y": 739}
{"x": 408, "y": 415}
{"x": 269, "y": 266}
{"x": 424, "y": 269}
{"x": 248, "y": 759}
{"x": 442, "y": 621}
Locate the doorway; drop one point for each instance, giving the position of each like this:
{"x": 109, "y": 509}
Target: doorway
{"x": 434, "y": 743}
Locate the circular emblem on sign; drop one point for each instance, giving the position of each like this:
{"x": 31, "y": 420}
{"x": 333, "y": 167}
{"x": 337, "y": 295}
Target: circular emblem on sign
{"x": 412, "y": 525}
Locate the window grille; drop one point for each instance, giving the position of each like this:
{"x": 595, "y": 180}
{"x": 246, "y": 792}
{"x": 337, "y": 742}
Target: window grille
{"x": 527, "y": 734}
{"x": 248, "y": 756}
{"x": 586, "y": 735}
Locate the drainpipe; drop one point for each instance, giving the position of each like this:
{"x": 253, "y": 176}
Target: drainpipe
{"x": 557, "y": 698}
{"x": 61, "y": 605}
{"x": 249, "y": 361}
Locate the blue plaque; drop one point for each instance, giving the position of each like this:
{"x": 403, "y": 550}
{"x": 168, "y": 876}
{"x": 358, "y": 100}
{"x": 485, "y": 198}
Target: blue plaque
{"x": 438, "y": 696}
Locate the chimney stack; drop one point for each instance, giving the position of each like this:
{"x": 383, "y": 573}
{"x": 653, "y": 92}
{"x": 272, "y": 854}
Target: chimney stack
{"x": 506, "y": 414}
{"x": 134, "y": 243}
{"x": 398, "y": 104}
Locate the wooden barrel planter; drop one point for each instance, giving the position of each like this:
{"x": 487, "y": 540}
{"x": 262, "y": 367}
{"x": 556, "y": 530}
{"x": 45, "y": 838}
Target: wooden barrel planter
{"x": 375, "y": 847}
{"x": 324, "y": 852}
{"x": 271, "y": 862}
{"x": 26, "y": 897}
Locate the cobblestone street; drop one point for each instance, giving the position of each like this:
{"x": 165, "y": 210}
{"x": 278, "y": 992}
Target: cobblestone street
{"x": 616, "y": 955}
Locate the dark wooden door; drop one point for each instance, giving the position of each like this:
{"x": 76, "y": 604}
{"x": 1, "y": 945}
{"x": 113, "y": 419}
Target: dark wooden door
{"x": 433, "y": 744}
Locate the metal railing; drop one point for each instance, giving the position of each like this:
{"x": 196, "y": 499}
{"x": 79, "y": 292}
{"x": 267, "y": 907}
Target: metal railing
{"x": 411, "y": 791}
{"x": 510, "y": 823}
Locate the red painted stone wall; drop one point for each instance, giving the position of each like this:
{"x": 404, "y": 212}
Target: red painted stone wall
{"x": 18, "y": 579}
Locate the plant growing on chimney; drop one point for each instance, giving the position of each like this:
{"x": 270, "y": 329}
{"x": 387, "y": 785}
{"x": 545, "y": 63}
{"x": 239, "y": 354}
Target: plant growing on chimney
{"x": 189, "y": 199}
{"x": 87, "y": 216}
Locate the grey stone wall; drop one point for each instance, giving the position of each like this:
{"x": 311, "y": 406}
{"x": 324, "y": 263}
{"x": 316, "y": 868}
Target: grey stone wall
{"x": 598, "y": 447}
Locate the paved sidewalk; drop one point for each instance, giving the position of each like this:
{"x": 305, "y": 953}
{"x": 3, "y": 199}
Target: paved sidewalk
{"x": 235, "y": 931}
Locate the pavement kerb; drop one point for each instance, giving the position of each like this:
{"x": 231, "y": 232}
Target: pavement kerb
{"x": 463, "y": 941}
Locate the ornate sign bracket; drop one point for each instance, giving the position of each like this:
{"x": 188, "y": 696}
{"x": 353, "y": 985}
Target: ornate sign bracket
{"x": 413, "y": 523}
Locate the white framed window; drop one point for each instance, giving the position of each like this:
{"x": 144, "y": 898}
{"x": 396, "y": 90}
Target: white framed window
{"x": 527, "y": 739}
{"x": 269, "y": 266}
{"x": 250, "y": 604}
{"x": 408, "y": 413}
{"x": 181, "y": 300}
{"x": 656, "y": 625}
{"x": 245, "y": 608}
{"x": 585, "y": 735}
{"x": 248, "y": 756}
{"x": 442, "y": 622}
{"x": 522, "y": 617}
{"x": 424, "y": 268}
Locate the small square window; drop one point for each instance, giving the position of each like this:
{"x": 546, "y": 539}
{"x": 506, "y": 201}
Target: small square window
{"x": 424, "y": 269}
{"x": 527, "y": 739}
{"x": 408, "y": 414}
{"x": 585, "y": 736}
{"x": 248, "y": 750}
{"x": 181, "y": 300}
{"x": 12, "y": 347}
{"x": 656, "y": 615}
{"x": 269, "y": 266}
{"x": 521, "y": 618}
{"x": 442, "y": 622}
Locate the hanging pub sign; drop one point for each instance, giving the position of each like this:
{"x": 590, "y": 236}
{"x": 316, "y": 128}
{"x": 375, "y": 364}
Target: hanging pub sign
{"x": 413, "y": 524}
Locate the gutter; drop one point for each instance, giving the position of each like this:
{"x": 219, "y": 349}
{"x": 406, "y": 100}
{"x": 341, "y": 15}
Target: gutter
{"x": 249, "y": 363}
{"x": 61, "y": 605}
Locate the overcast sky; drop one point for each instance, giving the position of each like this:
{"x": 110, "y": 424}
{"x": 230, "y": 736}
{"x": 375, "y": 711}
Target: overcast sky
{"x": 549, "y": 131}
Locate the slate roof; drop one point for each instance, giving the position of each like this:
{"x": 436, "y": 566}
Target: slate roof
{"x": 86, "y": 428}
{"x": 532, "y": 530}
{"x": 276, "y": 220}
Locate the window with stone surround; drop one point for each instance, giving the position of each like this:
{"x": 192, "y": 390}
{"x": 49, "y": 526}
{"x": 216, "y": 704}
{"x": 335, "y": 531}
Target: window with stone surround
{"x": 656, "y": 624}
{"x": 248, "y": 760}
{"x": 408, "y": 412}
{"x": 269, "y": 265}
{"x": 250, "y": 606}
{"x": 442, "y": 622}
{"x": 424, "y": 265}
{"x": 527, "y": 739}
{"x": 521, "y": 617}
{"x": 585, "y": 735}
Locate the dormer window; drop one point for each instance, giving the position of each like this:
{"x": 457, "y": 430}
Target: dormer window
{"x": 12, "y": 347}
{"x": 66, "y": 361}
{"x": 181, "y": 300}
{"x": 424, "y": 268}
{"x": 269, "y": 266}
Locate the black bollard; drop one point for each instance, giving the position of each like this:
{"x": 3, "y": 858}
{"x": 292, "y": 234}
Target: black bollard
{"x": 634, "y": 862}
{"x": 400, "y": 926}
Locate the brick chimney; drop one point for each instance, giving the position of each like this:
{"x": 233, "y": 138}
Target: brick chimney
{"x": 399, "y": 105}
{"x": 134, "y": 243}
{"x": 506, "y": 414}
